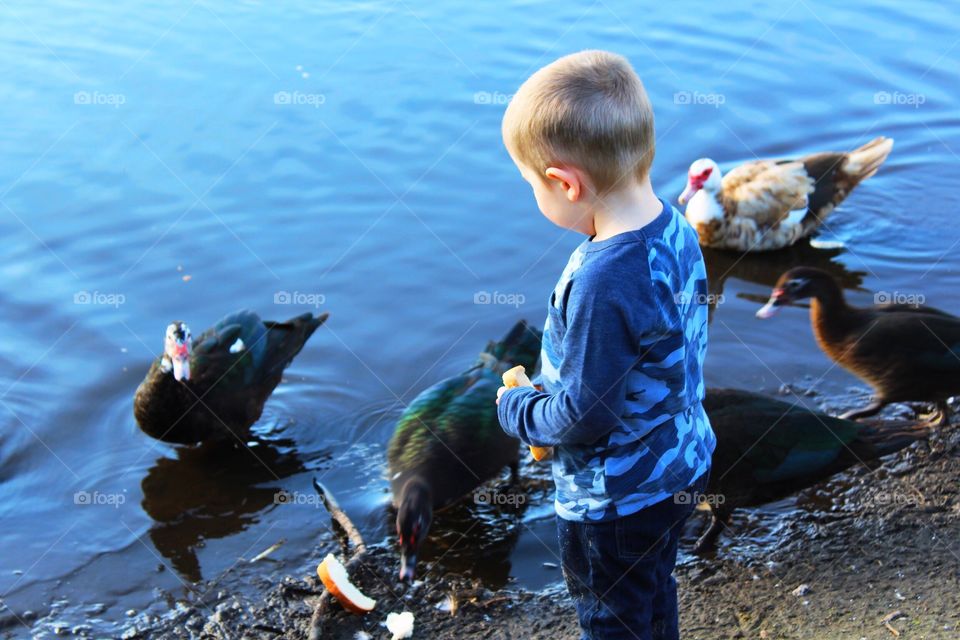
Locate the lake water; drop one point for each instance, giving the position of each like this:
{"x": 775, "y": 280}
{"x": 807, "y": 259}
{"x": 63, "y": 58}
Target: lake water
{"x": 179, "y": 160}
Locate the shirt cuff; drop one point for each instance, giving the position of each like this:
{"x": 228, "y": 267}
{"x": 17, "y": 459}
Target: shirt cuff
{"x": 509, "y": 409}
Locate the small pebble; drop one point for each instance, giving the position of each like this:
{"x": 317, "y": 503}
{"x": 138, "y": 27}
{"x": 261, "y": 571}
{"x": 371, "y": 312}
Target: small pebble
{"x": 801, "y": 590}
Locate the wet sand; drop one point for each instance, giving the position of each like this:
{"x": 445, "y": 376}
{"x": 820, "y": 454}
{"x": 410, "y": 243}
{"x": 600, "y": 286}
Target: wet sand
{"x": 878, "y": 556}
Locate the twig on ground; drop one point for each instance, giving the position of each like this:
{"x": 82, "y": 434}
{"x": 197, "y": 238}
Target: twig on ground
{"x": 348, "y": 533}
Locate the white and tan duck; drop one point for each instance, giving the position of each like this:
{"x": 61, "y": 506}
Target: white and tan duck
{"x": 771, "y": 204}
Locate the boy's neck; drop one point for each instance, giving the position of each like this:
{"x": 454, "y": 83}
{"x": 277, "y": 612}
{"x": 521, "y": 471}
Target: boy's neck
{"x": 627, "y": 209}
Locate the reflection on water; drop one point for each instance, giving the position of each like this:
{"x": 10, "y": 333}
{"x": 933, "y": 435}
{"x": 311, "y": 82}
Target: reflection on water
{"x": 766, "y": 268}
{"x": 211, "y": 491}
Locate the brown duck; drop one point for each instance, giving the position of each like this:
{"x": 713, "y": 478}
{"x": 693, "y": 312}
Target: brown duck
{"x": 905, "y": 352}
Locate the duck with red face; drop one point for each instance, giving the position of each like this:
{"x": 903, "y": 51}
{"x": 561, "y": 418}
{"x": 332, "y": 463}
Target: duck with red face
{"x": 216, "y": 385}
{"x": 770, "y": 204}
{"x": 176, "y": 351}
{"x": 414, "y": 516}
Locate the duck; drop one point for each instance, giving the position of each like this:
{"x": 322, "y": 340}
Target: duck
{"x": 905, "y": 352}
{"x": 448, "y": 441}
{"x": 768, "y": 449}
{"x": 770, "y": 204}
{"x": 216, "y": 385}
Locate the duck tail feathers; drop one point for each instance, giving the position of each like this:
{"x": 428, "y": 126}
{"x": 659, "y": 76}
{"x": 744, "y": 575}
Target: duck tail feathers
{"x": 521, "y": 345}
{"x": 889, "y": 437}
{"x": 863, "y": 162}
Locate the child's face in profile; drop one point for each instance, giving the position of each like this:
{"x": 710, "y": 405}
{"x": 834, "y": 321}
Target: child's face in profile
{"x": 559, "y": 197}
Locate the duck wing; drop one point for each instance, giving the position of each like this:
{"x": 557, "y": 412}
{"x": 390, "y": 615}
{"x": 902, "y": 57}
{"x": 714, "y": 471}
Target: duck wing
{"x": 230, "y": 353}
{"x": 767, "y": 440}
{"x": 836, "y": 174}
{"x": 910, "y": 346}
{"x": 768, "y": 449}
{"x": 767, "y": 192}
{"x": 450, "y": 435}
{"x": 241, "y": 350}
{"x": 911, "y": 308}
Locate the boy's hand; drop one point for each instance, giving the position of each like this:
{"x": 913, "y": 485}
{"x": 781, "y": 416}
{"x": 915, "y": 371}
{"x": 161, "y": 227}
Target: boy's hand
{"x": 500, "y": 393}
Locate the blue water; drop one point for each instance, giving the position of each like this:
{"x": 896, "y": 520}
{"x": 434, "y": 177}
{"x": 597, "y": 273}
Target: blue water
{"x": 178, "y": 160}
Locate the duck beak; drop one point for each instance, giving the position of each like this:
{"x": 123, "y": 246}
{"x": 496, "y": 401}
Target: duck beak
{"x": 181, "y": 368}
{"x": 768, "y": 310}
{"x": 778, "y": 298}
{"x": 408, "y": 567}
{"x": 687, "y": 193}
{"x": 181, "y": 361}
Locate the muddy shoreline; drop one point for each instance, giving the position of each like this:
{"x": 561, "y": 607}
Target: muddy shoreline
{"x": 875, "y": 555}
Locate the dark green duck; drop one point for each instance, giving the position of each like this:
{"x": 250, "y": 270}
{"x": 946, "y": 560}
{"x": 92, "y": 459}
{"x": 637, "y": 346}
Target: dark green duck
{"x": 768, "y": 449}
{"x": 217, "y": 384}
{"x": 449, "y": 441}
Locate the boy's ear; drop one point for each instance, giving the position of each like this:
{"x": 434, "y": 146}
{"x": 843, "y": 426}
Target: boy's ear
{"x": 569, "y": 180}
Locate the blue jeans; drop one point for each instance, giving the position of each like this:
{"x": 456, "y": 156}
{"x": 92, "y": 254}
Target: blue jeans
{"x": 620, "y": 572}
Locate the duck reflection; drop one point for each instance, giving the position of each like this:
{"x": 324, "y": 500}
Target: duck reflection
{"x": 212, "y": 491}
{"x": 764, "y": 268}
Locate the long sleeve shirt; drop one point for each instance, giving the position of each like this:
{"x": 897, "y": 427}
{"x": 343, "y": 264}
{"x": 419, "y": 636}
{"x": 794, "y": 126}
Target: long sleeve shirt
{"x": 621, "y": 370}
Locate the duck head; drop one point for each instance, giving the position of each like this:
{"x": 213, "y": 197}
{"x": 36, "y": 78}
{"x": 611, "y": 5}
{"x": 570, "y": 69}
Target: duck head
{"x": 796, "y": 284}
{"x": 176, "y": 350}
{"x": 703, "y": 174}
{"x": 414, "y": 516}
{"x": 521, "y": 345}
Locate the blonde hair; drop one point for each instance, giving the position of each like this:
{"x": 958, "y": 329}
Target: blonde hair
{"x": 589, "y": 110}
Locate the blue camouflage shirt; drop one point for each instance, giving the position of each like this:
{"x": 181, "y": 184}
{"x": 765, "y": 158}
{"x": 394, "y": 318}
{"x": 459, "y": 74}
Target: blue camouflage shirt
{"x": 621, "y": 370}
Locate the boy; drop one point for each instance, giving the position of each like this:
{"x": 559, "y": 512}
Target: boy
{"x": 623, "y": 346}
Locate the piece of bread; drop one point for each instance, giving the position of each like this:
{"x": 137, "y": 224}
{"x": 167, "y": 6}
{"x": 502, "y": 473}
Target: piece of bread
{"x": 517, "y": 377}
{"x": 335, "y": 578}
